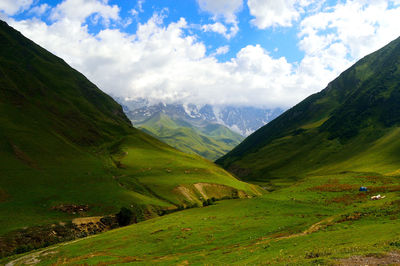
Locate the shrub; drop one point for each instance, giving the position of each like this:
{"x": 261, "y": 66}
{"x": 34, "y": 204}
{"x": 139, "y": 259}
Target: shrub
{"x": 124, "y": 217}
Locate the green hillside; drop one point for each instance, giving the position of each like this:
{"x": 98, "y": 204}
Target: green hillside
{"x": 352, "y": 125}
{"x": 323, "y": 220}
{"x": 63, "y": 142}
{"x": 207, "y": 139}
{"x": 318, "y": 154}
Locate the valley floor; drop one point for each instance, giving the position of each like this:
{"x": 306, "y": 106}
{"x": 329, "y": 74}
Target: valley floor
{"x": 320, "y": 219}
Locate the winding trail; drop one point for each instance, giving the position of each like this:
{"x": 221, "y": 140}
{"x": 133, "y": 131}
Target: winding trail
{"x": 33, "y": 258}
{"x": 313, "y": 228}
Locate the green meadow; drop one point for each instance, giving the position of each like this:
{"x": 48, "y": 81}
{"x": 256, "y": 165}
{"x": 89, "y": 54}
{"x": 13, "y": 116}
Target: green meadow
{"x": 319, "y": 220}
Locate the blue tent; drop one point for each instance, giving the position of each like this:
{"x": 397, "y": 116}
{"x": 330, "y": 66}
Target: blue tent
{"x": 363, "y": 189}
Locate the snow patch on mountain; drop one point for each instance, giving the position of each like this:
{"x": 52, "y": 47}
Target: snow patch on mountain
{"x": 243, "y": 120}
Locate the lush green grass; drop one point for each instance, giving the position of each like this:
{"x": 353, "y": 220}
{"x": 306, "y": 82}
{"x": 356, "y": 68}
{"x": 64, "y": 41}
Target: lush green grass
{"x": 317, "y": 220}
{"x": 352, "y": 125}
{"x": 71, "y": 177}
{"x": 206, "y": 139}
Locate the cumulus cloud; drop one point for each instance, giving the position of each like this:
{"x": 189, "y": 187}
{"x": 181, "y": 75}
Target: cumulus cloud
{"x": 79, "y": 10}
{"x": 269, "y": 13}
{"x": 225, "y": 10}
{"x": 12, "y": 7}
{"x": 165, "y": 62}
{"x": 221, "y": 29}
{"x": 338, "y": 36}
{"x": 216, "y": 27}
{"x": 222, "y": 8}
{"x": 221, "y": 50}
{"x": 39, "y": 10}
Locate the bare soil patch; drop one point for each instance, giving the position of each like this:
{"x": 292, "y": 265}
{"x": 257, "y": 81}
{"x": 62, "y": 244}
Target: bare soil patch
{"x": 392, "y": 258}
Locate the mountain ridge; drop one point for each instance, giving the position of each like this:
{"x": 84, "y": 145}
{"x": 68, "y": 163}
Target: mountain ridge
{"x": 241, "y": 119}
{"x": 210, "y": 140}
{"x": 360, "y": 103}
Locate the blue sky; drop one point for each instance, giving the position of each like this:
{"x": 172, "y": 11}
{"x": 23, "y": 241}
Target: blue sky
{"x": 238, "y": 52}
{"x": 280, "y": 41}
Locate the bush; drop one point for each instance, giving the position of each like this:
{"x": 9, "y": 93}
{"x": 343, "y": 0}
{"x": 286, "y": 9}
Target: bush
{"x": 23, "y": 249}
{"x": 208, "y": 202}
{"x": 124, "y": 217}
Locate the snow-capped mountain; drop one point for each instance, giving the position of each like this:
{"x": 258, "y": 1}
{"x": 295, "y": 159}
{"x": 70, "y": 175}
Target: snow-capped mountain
{"x": 243, "y": 120}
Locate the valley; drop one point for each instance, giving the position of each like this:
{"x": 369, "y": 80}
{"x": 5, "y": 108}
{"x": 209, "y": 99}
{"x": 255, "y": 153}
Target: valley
{"x": 90, "y": 179}
{"x": 207, "y": 131}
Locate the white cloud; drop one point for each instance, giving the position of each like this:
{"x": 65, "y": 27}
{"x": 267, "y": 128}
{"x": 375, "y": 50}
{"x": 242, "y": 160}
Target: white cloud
{"x": 134, "y": 12}
{"x": 39, "y": 10}
{"x": 222, "y": 8}
{"x": 225, "y": 10}
{"x": 221, "y": 29}
{"x": 339, "y": 36}
{"x": 165, "y": 63}
{"x": 269, "y": 13}
{"x": 79, "y": 10}
{"x": 140, "y": 4}
{"x": 216, "y": 27}
{"x": 221, "y": 50}
{"x": 12, "y": 7}
{"x": 162, "y": 63}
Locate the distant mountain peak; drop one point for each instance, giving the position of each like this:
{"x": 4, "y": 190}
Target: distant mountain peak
{"x": 242, "y": 120}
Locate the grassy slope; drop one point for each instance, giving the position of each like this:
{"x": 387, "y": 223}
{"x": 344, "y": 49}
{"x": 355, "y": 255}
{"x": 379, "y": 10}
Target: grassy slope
{"x": 350, "y": 125}
{"x": 319, "y": 220}
{"x": 61, "y": 138}
{"x": 210, "y": 141}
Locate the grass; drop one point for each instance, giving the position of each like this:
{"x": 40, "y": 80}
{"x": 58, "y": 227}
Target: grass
{"x": 288, "y": 159}
{"x": 63, "y": 141}
{"x": 352, "y": 125}
{"x": 151, "y": 170}
{"x": 299, "y": 224}
{"x": 206, "y": 139}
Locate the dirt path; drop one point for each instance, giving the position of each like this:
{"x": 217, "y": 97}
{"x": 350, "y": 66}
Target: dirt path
{"x": 313, "y": 228}
{"x": 34, "y": 258}
{"x": 391, "y": 258}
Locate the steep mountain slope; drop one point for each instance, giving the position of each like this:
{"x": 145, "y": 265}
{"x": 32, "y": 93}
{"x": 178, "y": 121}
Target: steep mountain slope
{"x": 64, "y": 143}
{"x": 209, "y": 140}
{"x": 352, "y": 125}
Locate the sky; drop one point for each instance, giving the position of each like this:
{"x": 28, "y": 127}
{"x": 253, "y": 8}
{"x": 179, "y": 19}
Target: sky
{"x": 263, "y": 53}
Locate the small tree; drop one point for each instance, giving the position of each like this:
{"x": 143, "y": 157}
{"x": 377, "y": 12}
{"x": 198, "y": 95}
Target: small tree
{"x": 124, "y": 217}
